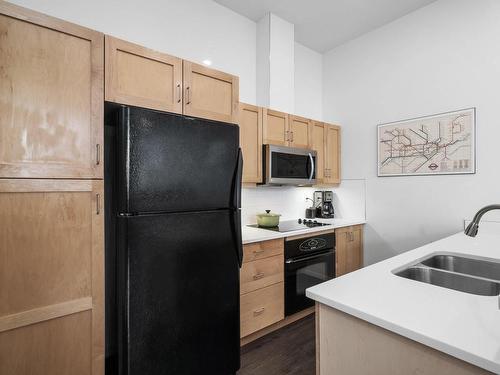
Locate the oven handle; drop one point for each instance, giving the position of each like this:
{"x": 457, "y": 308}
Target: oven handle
{"x": 312, "y": 166}
{"x": 290, "y": 261}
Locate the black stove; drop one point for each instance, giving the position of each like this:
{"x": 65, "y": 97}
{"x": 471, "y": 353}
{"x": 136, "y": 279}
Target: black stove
{"x": 292, "y": 225}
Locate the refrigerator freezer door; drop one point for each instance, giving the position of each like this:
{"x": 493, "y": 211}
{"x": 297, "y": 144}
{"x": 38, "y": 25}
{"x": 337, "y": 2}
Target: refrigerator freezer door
{"x": 179, "y": 294}
{"x": 171, "y": 163}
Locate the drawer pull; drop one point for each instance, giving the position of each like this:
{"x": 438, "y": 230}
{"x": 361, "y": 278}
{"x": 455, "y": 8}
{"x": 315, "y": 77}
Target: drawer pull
{"x": 258, "y": 276}
{"x": 258, "y": 311}
{"x": 258, "y": 251}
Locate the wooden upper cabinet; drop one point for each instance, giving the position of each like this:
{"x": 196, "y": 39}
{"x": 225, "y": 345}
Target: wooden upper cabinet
{"x": 250, "y": 124}
{"x": 348, "y": 249}
{"x": 51, "y": 277}
{"x": 318, "y": 144}
{"x": 332, "y": 154}
{"x": 210, "y": 94}
{"x": 139, "y": 76}
{"x": 299, "y": 132}
{"x": 51, "y": 97}
{"x": 275, "y": 127}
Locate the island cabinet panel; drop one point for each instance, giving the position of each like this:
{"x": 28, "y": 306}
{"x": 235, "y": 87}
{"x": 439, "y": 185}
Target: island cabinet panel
{"x": 299, "y": 132}
{"x": 209, "y": 93}
{"x": 348, "y": 249}
{"x": 348, "y": 345}
{"x": 275, "y": 127}
{"x": 51, "y": 97}
{"x": 318, "y": 144}
{"x": 51, "y": 277}
{"x": 250, "y": 123}
{"x": 141, "y": 77}
{"x": 332, "y": 154}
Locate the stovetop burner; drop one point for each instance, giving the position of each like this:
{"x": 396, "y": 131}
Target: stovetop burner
{"x": 291, "y": 225}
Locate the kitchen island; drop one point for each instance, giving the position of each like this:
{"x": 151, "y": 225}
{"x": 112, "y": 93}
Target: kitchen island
{"x": 373, "y": 321}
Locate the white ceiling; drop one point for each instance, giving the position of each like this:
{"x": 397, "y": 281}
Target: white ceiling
{"x": 325, "y": 24}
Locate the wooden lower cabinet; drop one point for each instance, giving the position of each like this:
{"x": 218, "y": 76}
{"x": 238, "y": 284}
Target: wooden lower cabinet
{"x": 261, "y": 308}
{"x": 348, "y": 249}
{"x": 51, "y": 277}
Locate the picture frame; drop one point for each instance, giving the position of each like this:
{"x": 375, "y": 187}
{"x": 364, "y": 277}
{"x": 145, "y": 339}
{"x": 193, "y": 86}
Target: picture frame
{"x": 439, "y": 144}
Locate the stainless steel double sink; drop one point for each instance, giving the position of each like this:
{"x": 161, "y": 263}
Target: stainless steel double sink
{"x": 460, "y": 272}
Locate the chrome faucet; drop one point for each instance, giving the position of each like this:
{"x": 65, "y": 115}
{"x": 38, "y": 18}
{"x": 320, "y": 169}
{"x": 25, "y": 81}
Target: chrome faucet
{"x": 473, "y": 227}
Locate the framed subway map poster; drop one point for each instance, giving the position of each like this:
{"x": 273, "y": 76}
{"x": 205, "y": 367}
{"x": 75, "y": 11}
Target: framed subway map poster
{"x": 438, "y": 144}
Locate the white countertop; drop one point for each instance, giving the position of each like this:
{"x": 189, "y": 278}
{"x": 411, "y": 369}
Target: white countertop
{"x": 250, "y": 234}
{"x": 463, "y": 325}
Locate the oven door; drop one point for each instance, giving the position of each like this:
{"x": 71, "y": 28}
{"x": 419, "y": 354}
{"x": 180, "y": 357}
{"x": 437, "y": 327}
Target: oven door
{"x": 302, "y": 273}
{"x": 290, "y": 166}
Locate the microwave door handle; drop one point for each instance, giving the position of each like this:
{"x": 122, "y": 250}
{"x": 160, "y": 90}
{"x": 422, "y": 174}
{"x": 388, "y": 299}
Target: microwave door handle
{"x": 312, "y": 166}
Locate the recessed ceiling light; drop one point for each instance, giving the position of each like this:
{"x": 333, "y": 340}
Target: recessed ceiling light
{"x": 207, "y": 62}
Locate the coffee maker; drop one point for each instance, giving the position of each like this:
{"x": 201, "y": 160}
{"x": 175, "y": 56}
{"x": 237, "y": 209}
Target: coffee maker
{"x": 323, "y": 201}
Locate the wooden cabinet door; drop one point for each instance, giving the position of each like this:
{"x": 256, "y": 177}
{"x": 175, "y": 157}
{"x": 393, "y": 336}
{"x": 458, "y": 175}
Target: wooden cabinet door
{"x": 51, "y": 97}
{"x": 51, "y": 277}
{"x": 139, "y": 76}
{"x": 318, "y": 145}
{"x": 299, "y": 132}
{"x": 251, "y": 142}
{"x": 348, "y": 249}
{"x": 210, "y": 94}
{"x": 332, "y": 154}
{"x": 275, "y": 127}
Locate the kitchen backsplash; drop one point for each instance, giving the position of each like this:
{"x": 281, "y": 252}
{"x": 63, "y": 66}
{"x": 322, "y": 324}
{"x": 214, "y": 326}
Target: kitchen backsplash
{"x": 290, "y": 201}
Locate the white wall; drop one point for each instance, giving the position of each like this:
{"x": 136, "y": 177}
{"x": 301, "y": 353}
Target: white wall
{"x": 443, "y": 57}
{"x": 191, "y": 29}
{"x": 308, "y": 82}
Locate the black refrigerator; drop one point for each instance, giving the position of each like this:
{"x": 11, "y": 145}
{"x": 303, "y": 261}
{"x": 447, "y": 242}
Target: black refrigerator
{"x": 173, "y": 244}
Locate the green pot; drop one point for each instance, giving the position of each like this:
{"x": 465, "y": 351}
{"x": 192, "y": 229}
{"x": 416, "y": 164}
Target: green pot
{"x": 268, "y": 220}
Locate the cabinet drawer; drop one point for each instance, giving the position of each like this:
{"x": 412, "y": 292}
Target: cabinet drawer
{"x": 261, "y": 273}
{"x": 260, "y": 250}
{"x": 261, "y": 308}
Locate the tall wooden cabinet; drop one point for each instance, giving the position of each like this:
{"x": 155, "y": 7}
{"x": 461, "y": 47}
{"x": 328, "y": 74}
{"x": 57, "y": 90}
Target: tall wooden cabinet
{"x": 139, "y": 76}
{"x": 51, "y": 97}
{"x": 250, "y": 123}
{"x": 348, "y": 249}
{"x": 51, "y": 195}
{"x": 332, "y": 154}
{"x": 318, "y": 144}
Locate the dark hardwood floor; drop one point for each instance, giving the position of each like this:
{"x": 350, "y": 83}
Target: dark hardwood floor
{"x": 287, "y": 351}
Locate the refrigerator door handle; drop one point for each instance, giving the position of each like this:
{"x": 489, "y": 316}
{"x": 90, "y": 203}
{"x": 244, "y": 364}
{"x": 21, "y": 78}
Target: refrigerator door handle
{"x": 237, "y": 181}
{"x": 239, "y": 240}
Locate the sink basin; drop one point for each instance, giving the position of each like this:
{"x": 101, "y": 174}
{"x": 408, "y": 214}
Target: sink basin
{"x": 451, "y": 280}
{"x": 469, "y": 266}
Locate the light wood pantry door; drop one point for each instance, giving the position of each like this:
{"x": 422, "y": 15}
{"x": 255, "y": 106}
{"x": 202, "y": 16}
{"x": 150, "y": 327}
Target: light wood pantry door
{"x": 318, "y": 145}
{"x": 210, "y": 94}
{"x": 332, "y": 154}
{"x": 139, "y": 76}
{"x": 348, "y": 249}
{"x": 299, "y": 132}
{"x": 51, "y": 277}
{"x": 51, "y": 97}
{"x": 250, "y": 124}
{"x": 275, "y": 127}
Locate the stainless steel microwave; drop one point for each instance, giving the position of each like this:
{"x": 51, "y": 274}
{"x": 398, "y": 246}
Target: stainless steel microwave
{"x": 289, "y": 166}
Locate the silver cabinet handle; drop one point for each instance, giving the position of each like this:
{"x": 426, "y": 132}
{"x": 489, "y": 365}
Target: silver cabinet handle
{"x": 97, "y": 154}
{"x": 179, "y": 94}
{"x": 291, "y": 140}
{"x": 258, "y": 276}
{"x": 287, "y": 136}
{"x": 188, "y": 94}
{"x": 98, "y": 204}
{"x": 312, "y": 166}
{"x": 259, "y": 311}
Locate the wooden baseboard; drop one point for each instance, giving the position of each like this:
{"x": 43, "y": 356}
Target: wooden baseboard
{"x": 282, "y": 323}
